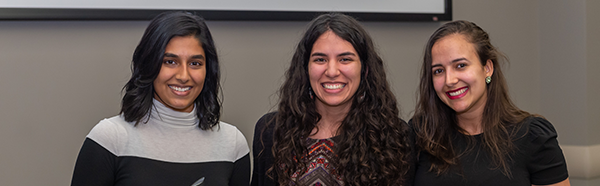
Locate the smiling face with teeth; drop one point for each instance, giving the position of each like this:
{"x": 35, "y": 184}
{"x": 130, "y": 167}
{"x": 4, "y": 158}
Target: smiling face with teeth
{"x": 334, "y": 70}
{"x": 458, "y": 75}
{"x": 181, "y": 76}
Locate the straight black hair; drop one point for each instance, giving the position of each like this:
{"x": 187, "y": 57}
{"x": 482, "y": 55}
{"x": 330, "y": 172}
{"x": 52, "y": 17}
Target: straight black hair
{"x": 147, "y": 61}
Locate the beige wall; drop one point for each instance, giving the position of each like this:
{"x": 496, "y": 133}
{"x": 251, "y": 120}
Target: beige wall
{"x": 563, "y": 51}
{"x": 593, "y": 62}
{"x": 59, "y": 78}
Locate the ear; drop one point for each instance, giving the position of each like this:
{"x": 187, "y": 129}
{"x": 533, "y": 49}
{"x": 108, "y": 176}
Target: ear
{"x": 489, "y": 68}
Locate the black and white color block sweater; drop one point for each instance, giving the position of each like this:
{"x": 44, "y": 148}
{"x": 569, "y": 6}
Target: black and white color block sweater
{"x": 170, "y": 149}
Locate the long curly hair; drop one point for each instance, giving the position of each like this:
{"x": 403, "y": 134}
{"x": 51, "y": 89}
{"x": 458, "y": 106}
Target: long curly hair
{"x": 374, "y": 148}
{"x": 147, "y": 61}
{"x": 435, "y": 122}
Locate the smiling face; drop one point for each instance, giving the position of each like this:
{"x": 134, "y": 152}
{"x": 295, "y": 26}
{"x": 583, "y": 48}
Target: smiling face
{"x": 458, "y": 76}
{"x": 334, "y": 71}
{"x": 182, "y": 74}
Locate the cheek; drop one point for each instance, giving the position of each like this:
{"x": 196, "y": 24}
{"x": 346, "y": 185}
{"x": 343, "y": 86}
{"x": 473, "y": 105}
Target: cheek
{"x": 438, "y": 83}
{"x": 163, "y": 76}
{"x": 352, "y": 72}
{"x": 314, "y": 73}
{"x": 199, "y": 76}
{"x": 475, "y": 77}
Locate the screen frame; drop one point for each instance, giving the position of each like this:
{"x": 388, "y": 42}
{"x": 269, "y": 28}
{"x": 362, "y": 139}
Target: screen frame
{"x": 215, "y": 15}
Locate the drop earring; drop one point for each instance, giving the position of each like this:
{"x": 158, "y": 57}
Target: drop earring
{"x": 362, "y": 97}
{"x": 488, "y": 79}
{"x": 310, "y": 93}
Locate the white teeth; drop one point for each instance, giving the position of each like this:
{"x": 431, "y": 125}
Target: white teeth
{"x": 180, "y": 89}
{"x": 334, "y": 86}
{"x": 458, "y": 92}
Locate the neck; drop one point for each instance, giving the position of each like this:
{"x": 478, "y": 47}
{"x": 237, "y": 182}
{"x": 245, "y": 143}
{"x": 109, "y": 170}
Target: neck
{"x": 471, "y": 123}
{"x": 471, "y": 120}
{"x": 331, "y": 119}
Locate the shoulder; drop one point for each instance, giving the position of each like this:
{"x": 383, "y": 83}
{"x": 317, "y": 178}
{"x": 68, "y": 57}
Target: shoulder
{"x": 228, "y": 128}
{"x": 411, "y": 125}
{"x": 263, "y": 132}
{"x": 402, "y": 122}
{"x": 263, "y": 126}
{"x": 110, "y": 133}
{"x": 536, "y": 133}
{"x": 547, "y": 164}
{"x": 412, "y": 122}
{"x": 265, "y": 119}
{"x": 109, "y": 127}
{"x": 229, "y": 131}
{"x": 541, "y": 126}
{"x": 235, "y": 138}
{"x": 538, "y": 128}
{"x": 407, "y": 129}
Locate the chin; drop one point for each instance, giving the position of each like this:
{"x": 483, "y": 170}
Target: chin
{"x": 459, "y": 109}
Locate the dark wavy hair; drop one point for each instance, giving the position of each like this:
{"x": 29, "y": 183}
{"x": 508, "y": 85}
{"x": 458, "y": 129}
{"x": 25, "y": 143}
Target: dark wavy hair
{"x": 147, "y": 61}
{"x": 435, "y": 122}
{"x": 373, "y": 149}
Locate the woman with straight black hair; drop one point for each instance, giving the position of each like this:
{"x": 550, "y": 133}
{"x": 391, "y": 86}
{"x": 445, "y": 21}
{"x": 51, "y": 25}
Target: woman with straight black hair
{"x": 168, "y": 131}
{"x": 337, "y": 122}
{"x": 468, "y": 130}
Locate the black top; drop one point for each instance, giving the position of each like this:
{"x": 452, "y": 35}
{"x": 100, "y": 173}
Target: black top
{"x": 261, "y": 150}
{"x": 538, "y": 160}
{"x": 263, "y": 156}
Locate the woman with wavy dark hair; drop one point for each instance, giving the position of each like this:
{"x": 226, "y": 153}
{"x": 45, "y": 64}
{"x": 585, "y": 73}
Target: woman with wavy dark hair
{"x": 168, "y": 131}
{"x": 337, "y": 122}
{"x": 468, "y": 130}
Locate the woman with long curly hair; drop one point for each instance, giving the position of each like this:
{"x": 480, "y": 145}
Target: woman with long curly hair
{"x": 168, "y": 131}
{"x": 468, "y": 130}
{"x": 337, "y": 122}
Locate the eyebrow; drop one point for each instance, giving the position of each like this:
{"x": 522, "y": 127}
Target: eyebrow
{"x": 176, "y": 56}
{"x": 342, "y": 54}
{"x": 347, "y": 54}
{"x": 197, "y": 57}
{"x": 459, "y": 59}
{"x": 453, "y": 61}
{"x": 170, "y": 55}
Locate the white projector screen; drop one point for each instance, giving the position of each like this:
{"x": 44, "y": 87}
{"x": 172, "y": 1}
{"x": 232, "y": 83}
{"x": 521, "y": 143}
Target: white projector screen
{"x": 375, "y": 10}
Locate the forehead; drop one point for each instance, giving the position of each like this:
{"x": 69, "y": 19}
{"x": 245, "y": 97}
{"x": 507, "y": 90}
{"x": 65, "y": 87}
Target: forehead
{"x": 331, "y": 41}
{"x": 183, "y": 44}
{"x": 452, "y": 47}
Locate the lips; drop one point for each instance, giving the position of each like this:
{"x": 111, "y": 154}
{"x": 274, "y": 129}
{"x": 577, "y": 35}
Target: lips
{"x": 179, "y": 89}
{"x": 458, "y": 93}
{"x": 333, "y": 86}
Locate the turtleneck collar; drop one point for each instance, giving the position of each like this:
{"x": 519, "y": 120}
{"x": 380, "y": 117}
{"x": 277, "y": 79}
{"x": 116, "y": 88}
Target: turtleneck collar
{"x": 164, "y": 114}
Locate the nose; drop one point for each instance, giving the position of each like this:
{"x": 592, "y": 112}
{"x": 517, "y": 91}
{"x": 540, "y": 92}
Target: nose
{"x": 332, "y": 69}
{"x": 451, "y": 78}
{"x": 183, "y": 75}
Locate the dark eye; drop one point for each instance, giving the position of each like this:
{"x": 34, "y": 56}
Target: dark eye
{"x": 437, "y": 71}
{"x": 345, "y": 59}
{"x": 169, "y": 62}
{"x": 461, "y": 65}
{"x": 195, "y": 63}
{"x": 319, "y": 60}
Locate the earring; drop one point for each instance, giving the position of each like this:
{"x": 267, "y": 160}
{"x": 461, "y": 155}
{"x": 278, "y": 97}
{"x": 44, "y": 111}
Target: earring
{"x": 310, "y": 92}
{"x": 488, "y": 79}
{"x": 363, "y": 96}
